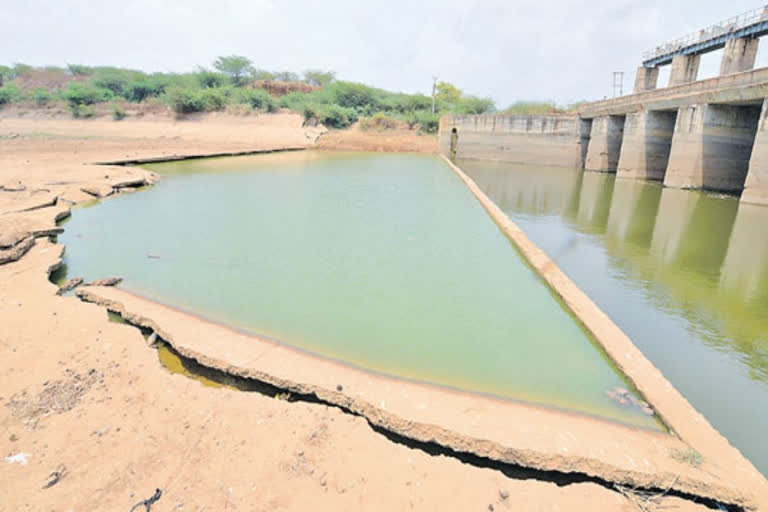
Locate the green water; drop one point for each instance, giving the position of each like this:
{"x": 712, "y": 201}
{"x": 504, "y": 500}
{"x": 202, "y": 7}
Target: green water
{"x": 385, "y": 262}
{"x": 684, "y": 273}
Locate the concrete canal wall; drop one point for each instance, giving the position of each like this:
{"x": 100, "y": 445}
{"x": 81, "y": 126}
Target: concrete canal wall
{"x": 555, "y": 140}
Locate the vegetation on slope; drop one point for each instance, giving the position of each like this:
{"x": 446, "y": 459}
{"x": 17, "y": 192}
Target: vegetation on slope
{"x": 540, "y": 107}
{"x": 235, "y": 84}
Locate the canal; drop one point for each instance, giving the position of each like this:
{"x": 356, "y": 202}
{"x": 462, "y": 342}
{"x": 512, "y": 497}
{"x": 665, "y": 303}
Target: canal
{"x": 683, "y": 273}
{"x": 383, "y": 261}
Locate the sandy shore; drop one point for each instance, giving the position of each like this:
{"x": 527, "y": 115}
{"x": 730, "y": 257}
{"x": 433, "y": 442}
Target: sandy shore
{"x": 101, "y": 423}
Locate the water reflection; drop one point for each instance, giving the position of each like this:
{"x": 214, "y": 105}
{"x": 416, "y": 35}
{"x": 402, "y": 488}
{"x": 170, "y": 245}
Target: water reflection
{"x": 684, "y": 273}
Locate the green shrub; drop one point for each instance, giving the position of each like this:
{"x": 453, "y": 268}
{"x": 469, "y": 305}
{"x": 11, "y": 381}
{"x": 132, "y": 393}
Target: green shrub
{"x": 84, "y": 94}
{"x": 118, "y": 113}
{"x": 475, "y": 105}
{"x": 262, "y": 74}
{"x": 20, "y": 69}
{"x": 319, "y": 78}
{"x": 79, "y": 70}
{"x": 294, "y": 100}
{"x": 235, "y": 66}
{"x": 41, "y": 96}
{"x": 532, "y": 107}
{"x": 215, "y": 98}
{"x": 428, "y": 122}
{"x": 379, "y": 122}
{"x": 209, "y": 79}
{"x": 403, "y": 103}
{"x": 332, "y": 116}
{"x": 258, "y": 99}
{"x": 412, "y": 119}
{"x": 144, "y": 88}
{"x": 6, "y": 74}
{"x": 115, "y": 82}
{"x": 285, "y": 76}
{"x": 184, "y": 101}
{"x": 357, "y": 96}
{"x": 81, "y": 111}
{"x": 9, "y": 93}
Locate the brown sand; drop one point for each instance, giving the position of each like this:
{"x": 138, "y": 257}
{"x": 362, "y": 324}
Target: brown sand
{"x": 394, "y": 140}
{"x": 102, "y": 423}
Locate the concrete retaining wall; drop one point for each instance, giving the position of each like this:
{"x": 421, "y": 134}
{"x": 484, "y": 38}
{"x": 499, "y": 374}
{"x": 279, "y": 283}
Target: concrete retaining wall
{"x": 756, "y": 184}
{"x": 711, "y": 147}
{"x": 605, "y": 144}
{"x": 553, "y": 140}
{"x": 646, "y": 144}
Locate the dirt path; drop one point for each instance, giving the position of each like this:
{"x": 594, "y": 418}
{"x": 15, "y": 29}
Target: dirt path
{"x": 89, "y": 420}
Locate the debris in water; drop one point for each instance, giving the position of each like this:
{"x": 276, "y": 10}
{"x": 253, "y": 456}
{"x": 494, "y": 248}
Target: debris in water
{"x": 623, "y": 397}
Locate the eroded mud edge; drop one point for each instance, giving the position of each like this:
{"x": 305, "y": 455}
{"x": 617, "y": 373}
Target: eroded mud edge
{"x": 561, "y": 469}
{"x": 176, "y": 158}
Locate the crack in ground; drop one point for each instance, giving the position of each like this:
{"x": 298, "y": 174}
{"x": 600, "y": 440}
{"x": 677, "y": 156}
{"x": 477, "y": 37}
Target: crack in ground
{"x": 512, "y": 471}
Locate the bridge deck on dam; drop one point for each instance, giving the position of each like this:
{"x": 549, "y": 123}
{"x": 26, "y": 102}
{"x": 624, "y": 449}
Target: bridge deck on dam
{"x": 709, "y": 134}
{"x": 751, "y": 24}
{"x": 746, "y": 88}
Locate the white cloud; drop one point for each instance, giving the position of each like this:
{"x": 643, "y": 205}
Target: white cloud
{"x": 524, "y": 49}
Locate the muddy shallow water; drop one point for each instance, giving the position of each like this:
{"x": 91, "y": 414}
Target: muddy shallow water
{"x": 383, "y": 261}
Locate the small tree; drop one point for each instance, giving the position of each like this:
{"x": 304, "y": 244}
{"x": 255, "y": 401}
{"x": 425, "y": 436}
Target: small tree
{"x": 286, "y": 76}
{"x": 475, "y": 105}
{"x": 210, "y": 79}
{"x": 262, "y": 74}
{"x": 20, "y": 69}
{"x": 79, "y": 70}
{"x": 235, "y": 66}
{"x": 447, "y": 94}
{"x": 6, "y": 73}
{"x": 317, "y": 77}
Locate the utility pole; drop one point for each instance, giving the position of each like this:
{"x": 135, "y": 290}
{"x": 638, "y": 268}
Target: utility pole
{"x": 434, "y": 91}
{"x": 618, "y": 83}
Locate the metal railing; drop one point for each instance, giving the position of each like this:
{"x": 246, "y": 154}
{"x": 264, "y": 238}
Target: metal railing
{"x": 728, "y": 26}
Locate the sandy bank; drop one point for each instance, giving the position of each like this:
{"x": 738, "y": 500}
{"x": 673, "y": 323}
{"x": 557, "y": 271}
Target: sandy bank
{"x": 81, "y": 393}
{"x": 503, "y": 431}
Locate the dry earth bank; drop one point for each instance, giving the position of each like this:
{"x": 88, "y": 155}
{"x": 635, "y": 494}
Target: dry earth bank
{"x": 89, "y": 420}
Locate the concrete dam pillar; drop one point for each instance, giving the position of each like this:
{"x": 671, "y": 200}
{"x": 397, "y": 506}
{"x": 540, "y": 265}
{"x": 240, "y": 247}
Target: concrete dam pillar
{"x": 646, "y": 79}
{"x": 646, "y": 145}
{"x": 756, "y": 184}
{"x": 684, "y": 69}
{"x": 739, "y": 55}
{"x": 605, "y": 144}
{"x": 711, "y": 147}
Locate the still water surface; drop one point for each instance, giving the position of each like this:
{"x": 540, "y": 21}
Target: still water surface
{"x": 386, "y": 262}
{"x": 683, "y": 273}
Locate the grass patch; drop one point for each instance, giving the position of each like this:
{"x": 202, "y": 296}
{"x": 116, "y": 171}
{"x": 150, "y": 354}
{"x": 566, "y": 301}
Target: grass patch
{"x": 118, "y": 113}
{"x": 688, "y": 456}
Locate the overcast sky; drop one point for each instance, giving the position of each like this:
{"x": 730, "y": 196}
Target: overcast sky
{"x": 508, "y": 50}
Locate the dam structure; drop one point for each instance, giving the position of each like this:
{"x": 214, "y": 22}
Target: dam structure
{"x": 695, "y": 134}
